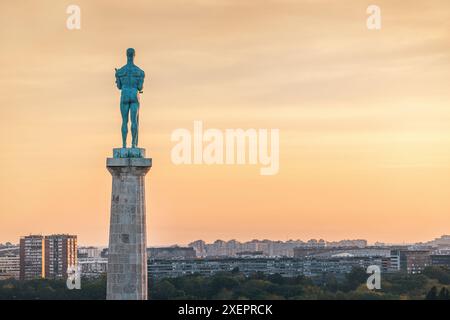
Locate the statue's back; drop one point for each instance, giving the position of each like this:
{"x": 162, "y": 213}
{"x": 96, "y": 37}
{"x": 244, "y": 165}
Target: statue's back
{"x": 130, "y": 77}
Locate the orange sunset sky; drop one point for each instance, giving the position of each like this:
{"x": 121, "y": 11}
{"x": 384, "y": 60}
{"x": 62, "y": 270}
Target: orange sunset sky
{"x": 364, "y": 117}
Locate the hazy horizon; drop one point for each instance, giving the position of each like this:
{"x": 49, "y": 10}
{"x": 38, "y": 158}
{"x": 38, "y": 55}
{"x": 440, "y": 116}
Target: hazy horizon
{"x": 260, "y": 239}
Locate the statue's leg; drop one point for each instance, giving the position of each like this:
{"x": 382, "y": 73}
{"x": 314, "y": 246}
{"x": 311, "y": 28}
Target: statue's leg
{"x": 137, "y": 131}
{"x": 134, "y": 110}
{"x": 124, "y": 110}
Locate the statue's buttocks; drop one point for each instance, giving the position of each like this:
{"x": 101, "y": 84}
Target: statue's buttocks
{"x": 130, "y": 80}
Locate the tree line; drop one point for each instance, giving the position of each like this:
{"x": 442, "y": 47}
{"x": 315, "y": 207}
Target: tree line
{"x": 432, "y": 284}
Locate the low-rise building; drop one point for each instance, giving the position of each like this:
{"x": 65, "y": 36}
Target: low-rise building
{"x": 89, "y": 252}
{"x": 171, "y": 253}
{"x": 287, "y": 267}
{"x": 338, "y": 265}
{"x": 440, "y": 260}
{"x": 93, "y": 267}
{"x": 414, "y": 261}
{"x": 9, "y": 267}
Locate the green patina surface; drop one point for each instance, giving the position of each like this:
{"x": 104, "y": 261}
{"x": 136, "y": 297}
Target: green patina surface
{"x": 130, "y": 80}
{"x": 129, "y": 153}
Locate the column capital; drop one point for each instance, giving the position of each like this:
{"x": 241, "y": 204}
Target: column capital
{"x": 130, "y": 166}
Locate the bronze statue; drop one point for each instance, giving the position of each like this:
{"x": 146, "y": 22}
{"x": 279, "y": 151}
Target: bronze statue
{"x": 130, "y": 80}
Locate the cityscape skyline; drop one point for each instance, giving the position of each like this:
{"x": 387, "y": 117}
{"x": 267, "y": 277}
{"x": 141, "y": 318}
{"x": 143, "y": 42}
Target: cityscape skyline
{"x": 49, "y": 256}
{"x": 327, "y": 241}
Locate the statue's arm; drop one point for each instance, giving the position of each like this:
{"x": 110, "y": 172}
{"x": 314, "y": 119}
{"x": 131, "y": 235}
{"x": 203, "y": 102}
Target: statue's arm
{"x": 141, "y": 82}
{"x": 118, "y": 83}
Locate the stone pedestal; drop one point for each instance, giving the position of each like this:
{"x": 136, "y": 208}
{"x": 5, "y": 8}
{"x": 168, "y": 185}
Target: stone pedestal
{"x": 127, "y": 254}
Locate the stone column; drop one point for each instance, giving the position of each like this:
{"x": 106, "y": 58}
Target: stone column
{"x": 127, "y": 253}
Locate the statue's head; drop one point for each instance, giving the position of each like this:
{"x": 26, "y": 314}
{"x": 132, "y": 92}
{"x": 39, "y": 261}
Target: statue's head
{"x": 130, "y": 54}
